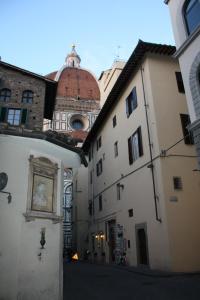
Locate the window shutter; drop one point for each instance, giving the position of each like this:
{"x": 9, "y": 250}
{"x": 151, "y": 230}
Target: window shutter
{"x": 23, "y": 116}
{"x": 140, "y": 141}
{"x": 130, "y": 153}
{"x": 127, "y": 108}
{"x": 185, "y": 121}
{"x": 3, "y": 111}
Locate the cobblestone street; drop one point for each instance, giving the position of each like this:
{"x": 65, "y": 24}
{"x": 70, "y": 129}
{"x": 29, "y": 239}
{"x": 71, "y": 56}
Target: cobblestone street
{"x": 95, "y": 282}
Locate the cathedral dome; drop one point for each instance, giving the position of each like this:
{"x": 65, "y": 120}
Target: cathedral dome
{"x": 75, "y": 82}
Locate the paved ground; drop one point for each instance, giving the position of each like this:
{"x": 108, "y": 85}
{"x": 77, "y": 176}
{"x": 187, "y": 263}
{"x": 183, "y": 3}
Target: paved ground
{"x": 98, "y": 282}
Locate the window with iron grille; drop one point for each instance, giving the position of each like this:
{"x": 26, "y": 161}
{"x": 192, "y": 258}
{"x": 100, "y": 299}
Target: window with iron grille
{"x": 177, "y": 183}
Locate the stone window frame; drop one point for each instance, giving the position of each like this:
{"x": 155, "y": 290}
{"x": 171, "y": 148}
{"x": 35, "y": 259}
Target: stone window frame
{"x": 42, "y": 166}
{"x": 195, "y": 84}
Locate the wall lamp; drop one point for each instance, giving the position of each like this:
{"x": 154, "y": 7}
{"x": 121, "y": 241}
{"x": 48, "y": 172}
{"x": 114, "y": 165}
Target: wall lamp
{"x": 100, "y": 236}
{"x": 120, "y": 185}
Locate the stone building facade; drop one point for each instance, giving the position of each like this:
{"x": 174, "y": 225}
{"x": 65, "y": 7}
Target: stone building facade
{"x": 24, "y": 96}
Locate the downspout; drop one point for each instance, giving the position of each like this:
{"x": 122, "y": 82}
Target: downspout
{"x": 151, "y": 166}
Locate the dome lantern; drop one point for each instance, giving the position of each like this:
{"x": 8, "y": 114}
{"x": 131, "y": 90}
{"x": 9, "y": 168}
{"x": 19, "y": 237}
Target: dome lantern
{"x": 73, "y": 59}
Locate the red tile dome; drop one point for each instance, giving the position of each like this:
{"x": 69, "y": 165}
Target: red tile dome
{"x": 76, "y": 83}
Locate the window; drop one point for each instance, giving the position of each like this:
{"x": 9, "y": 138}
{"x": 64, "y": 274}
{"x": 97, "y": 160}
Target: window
{"x": 191, "y": 13}
{"x": 99, "y": 167}
{"x": 5, "y": 95}
{"x": 135, "y": 149}
{"x": 100, "y": 203}
{"x": 185, "y": 121}
{"x": 77, "y": 124}
{"x": 118, "y": 191}
{"x": 116, "y": 149}
{"x": 27, "y": 97}
{"x": 130, "y": 213}
{"x": 177, "y": 183}
{"x": 129, "y": 244}
{"x": 98, "y": 143}
{"x": 179, "y": 81}
{"x": 131, "y": 102}
{"x": 114, "y": 121}
{"x": 13, "y": 116}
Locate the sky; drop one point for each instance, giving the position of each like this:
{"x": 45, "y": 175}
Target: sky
{"x": 36, "y": 35}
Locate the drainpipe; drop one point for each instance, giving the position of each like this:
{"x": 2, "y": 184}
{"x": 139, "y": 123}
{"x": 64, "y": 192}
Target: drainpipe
{"x": 151, "y": 166}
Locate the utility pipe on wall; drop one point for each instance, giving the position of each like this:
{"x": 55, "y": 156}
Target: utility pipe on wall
{"x": 150, "y": 150}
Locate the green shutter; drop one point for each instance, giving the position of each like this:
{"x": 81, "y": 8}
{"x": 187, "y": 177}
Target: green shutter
{"x": 23, "y": 116}
{"x": 3, "y": 111}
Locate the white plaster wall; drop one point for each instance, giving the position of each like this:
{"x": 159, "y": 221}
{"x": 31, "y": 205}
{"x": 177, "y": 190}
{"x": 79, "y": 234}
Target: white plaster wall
{"x": 27, "y": 272}
{"x": 178, "y": 23}
{"x": 187, "y": 57}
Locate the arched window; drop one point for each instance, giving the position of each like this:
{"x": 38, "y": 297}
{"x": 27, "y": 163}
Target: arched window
{"x": 5, "y": 95}
{"x": 191, "y": 12}
{"x": 27, "y": 97}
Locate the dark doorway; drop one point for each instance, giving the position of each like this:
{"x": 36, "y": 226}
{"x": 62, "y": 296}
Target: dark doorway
{"x": 142, "y": 248}
{"x": 111, "y": 240}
